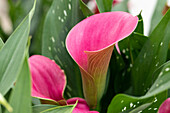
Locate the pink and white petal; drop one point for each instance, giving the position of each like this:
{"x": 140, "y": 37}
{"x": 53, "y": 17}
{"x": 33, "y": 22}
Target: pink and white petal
{"x": 48, "y": 80}
{"x": 98, "y": 32}
{"x": 81, "y": 107}
{"x": 165, "y": 106}
{"x": 98, "y": 62}
{"x": 82, "y": 104}
{"x": 91, "y": 42}
{"x": 117, "y": 48}
{"x": 76, "y": 110}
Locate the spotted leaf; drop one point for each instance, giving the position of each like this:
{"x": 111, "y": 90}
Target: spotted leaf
{"x": 61, "y": 17}
{"x": 152, "y": 55}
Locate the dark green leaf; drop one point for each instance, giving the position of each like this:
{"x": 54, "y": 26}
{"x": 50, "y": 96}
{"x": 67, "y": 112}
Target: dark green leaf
{"x": 140, "y": 28}
{"x": 12, "y": 54}
{"x": 86, "y": 11}
{"x": 20, "y": 99}
{"x": 104, "y": 5}
{"x": 61, "y": 17}
{"x": 152, "y": 55}
{"x": 121, "y": 64}
{"x": 162, "y": 83}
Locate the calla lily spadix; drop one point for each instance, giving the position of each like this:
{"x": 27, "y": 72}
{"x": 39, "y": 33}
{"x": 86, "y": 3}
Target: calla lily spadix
{"x": 90, "y": 43}
{"x": 48, "y": 84}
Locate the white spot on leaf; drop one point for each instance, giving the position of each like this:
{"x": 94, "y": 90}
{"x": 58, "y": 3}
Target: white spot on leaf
{"x": 52, "y": 39}
{"x": 161, "y": 43}
{"x": 59, "y": 17}
{"x": 155, "y": 109}
{"x": 167, "y": 69}
{"x": 53, "y": 11}
{"x": 144, "y": 56}
{"x": 123, "y": 51}
{"x": 131, "y": 104}
{"x": 62, "y": 20}
{"x": 127, "y": 57}
{"x": 131, "y": 65}
{"x": 62, "y": 43}
{"x": 69, "y": 6}
{"x": 149, "y": 108}
{"x": 49, "y": 48}
{"x": 65, "y": 13}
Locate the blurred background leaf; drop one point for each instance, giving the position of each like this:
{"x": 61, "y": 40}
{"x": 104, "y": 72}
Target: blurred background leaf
{"x": 21, "y": 7}
{"x": 104, "y": 5}
{"x": 158, "y": 14}
{"x": 122, "y": 6}
{"x": 86, "y": 11}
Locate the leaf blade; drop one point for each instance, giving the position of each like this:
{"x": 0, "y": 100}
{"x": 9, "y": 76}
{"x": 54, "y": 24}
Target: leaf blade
{"x": 11, "y": 55}
{"x": 20, "y": 98}
{"x": 152, "y": 55}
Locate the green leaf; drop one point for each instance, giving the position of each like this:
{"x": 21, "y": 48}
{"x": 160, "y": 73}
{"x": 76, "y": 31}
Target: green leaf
{"x": 19, "y": 7}
{"x": 4, "y": 103}
{"x": 61, "y": 109}
{"x": 122, "y": 6}
{"x": 1, "y": 43}
{"x": 12, "y": 54}
{"x": 86, "y": 11}
{"x": 157, "y": 15}
{"x": 20, "y": 98}
{"x": 122, "y": 103}
{"x": 162, "y": 83}
{"x": 61, "y": 17}
{"x": 140, "y": 27}
{"x": 42, "y": 7}
{"x": 152, "y": 55}
{"x": 104, "y": 5}
{"x": 121, "y": 65}
{"x": 41, "y": 107}
{"x": 157, "y": 94}
{"x": 140, "y": 108}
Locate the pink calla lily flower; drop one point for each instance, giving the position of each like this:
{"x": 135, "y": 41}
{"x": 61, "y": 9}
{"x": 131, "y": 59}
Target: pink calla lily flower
{"x": 165, "y": 106}
{"x": 48, "y": 84}
{"x": 90, "y": 43}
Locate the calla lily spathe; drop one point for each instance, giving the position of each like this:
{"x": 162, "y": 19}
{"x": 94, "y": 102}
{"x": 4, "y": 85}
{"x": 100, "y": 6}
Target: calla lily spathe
{"x": 48, "y": 84}
{"x": 90, "y": 43}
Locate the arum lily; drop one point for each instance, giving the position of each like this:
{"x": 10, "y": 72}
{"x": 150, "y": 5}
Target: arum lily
{"x": 48, "y": 84}
{"x": 165, "y": 106}
{"x": 90, "y": 43}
